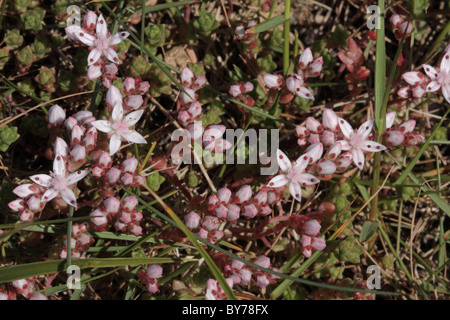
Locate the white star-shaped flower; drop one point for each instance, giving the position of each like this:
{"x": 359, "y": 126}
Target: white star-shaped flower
{"x": 58, "y": 182}
{"x": 120, "y": 127}
{"x": 100, "y": 42}
{"x": 440, "y": 78}
{"x": 357, "y": 142}
{"x": 294, "y": 175}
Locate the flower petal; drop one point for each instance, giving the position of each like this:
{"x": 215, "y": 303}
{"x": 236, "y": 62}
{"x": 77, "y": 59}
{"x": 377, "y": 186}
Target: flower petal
{"x": 372, "y": 146}
{"x": 59, "y": 166}
{"x": 346, "y": 128}
{"x": 303, "y": 92}
{"x": 85, "y": 38}
{"x": 118, "y": 38}
{"x": 430, "y": 71}
{"x": 117, "y": 113}
{"x": 42, "y": 180}
{"x": 308, "y": 179}
{"x": 433, "y": 86}
{"x": 390, "y": 118}
{"x": 345, "y": 145}
{"x": 445, "y": 63}
{"x": 446, "y": 91}
{"x": 94, "y": 55}
{"x": 76, "y": 176}
{"x": 133, "y": 117}
{"x": 301, "y": 163}
{"x": 278, "y": 181}
{"x": 102, "y": 125}
{"x": 134, "y": 137}
{"x": 101, "y": 28}
{"x": 111, "y": 55}
{"x": 366, "y": 128}
{"x": 69, "y": 197}
{"x": 49, "y": 195}
{"x": 296, "y": 191}
{"x": 358, "y": 158}
{"x": 283, "y": 161}
{"x": 114, "y": 144}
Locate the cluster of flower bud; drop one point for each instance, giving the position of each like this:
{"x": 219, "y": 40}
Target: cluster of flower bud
{"x": 149, "y": 277}
{"x": 309, "y": 231}
{"x": 240, "y": 90}
{"x": 293, "y": 85}
{"x": 122, "y": 214}
{"x": 189, "y": 109}
{"x": 80, "y": 241}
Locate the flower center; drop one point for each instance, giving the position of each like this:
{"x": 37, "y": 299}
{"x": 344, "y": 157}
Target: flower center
{"x": 443, "y": 78}
{"x": 356, "y": 139}
{"x": 102, "y": 43}
{"x": 59, "y": 183}
{"x": 120, "y": 127}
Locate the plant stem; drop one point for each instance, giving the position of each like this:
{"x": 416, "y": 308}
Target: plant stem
{"x": 287, "y": 14}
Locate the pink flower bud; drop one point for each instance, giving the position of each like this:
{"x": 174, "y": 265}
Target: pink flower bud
{"x": 314, "y": 125}
{"x": 301, "y": 132}
{"x": 307, "y": 251}
{"x": 187, "y": 97}
{"x": 326, "y": 167}
{"x": 184, "y": 117}
{"x": 330, "y": 120}
{"x": 318, "y": 243}
{"x": 113, "y": 96}
{"x": 34, "y": 204}
{"x": 83, "y": 115}
{"x": 125, "y": 217}
{"x": 210, "y": 222}
{"x": 90, "y": 139}
{"x": 142, "y": 87}
{"x": 390, "y": 118}
{"x": 343, "y": 162}
{"x": 249, "y": 211}
{"x": 272, "y": 81}
{"x": 405, "y": 92}
{"x": 396, "y": 20}
{"x": 135, "y": 229}
{"x": 154, "y": 271}
{"x": 202, "y": 233}
{"x": 195, "y": 110}
{"x": 129, "y": 165}
{"x": 215, "y": 236}
{"x": 187, "y": 77}
{"x": 314, "y": 152}
{"x": 152, "y": 287}
{"x": 199, "y": 82}
{"x": 221, "y": 211}
{"x": 134, "y": 102}
{"x": 315, "y": 67}
{"x": 328, "y": 138}
{"x": 192, "y": 220}
{"x": 70, "y": 123}
{"x": 26, "y": 215}
{"x": 129, "y": 203}
{"x": 100, "y": 218}
{"x": 244, "y": 194}
{"x": 305, "y": 241}
{"x": 129, "y": 86}
{"x": 233, "y": 212}
{"x": 393, "y": 138}
{"x": 418, "y": 92}
{"x": 196, "y": 131}
{"x": 127, "y": 179}
{"x": 247, "y": 87}
{"x": 413, "y": 139}
{"x": 334, "y": 151}
{"x": 312, "y": 227}
{"x": 246, "y": 276}
{"x": 305, "y": 58}
{"x": 407, "y": 126}
{"x": 111, "y": 69}
{"x": 235, "y": 90}
{"x": 262, "y": 261}
{"x": 293, "y": 84}
{"x": 260, "y": 198}
{"x": 90, "y": 20}
{"x": 76, "y": 135}
{"x": 213, "y": 201}
{"x": 265, "y": 210}
{"x": 262, "y": 281}
{"x": 56, "y": 115}
{"x": 78, "y": 154}
{"x": 17, "y": 205}
{"x": 25, "y": 190}
{"x": 413, "y": 77}
{"x": 94, "y": 72}
{"x": 105, "y": 160}
{"x": 224, "y": 195}
{"x": 113, "y": 175}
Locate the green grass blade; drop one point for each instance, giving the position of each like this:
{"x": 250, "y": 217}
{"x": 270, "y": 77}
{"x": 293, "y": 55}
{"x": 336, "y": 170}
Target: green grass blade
{"x": 269, "y": 24}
